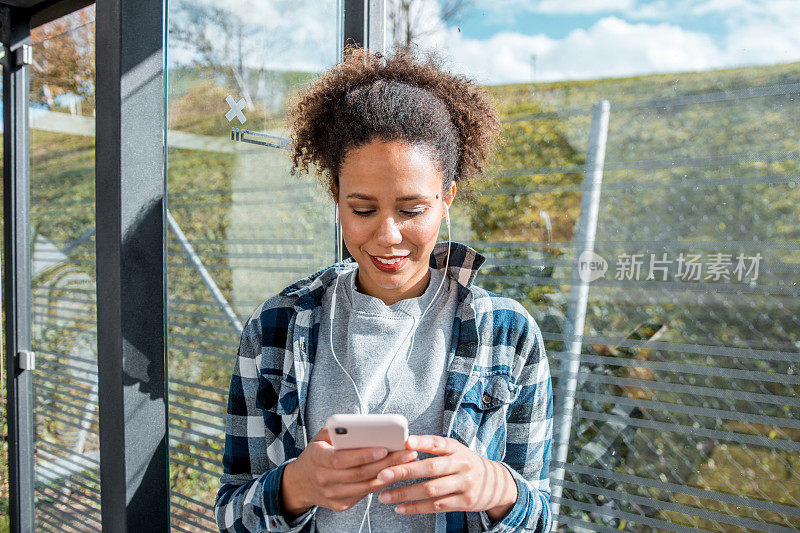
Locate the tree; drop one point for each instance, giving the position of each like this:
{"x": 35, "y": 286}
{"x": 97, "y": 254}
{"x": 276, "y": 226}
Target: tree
{"x": 64, "y": 58}
{"x": 409, "y": 20}
{"x": 216, "y": 36}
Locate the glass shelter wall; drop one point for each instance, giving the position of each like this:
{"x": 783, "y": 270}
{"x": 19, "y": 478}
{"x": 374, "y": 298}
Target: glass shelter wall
{"x": 240, "y": 227}
{"x": 671, "y": 317}
{"x": 4, "y": 467}
{"x": 63, "y": 277}
{"x": 686, "y": 388}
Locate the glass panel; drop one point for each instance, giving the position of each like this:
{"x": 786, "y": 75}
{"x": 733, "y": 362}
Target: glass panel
{"x": 4, "y": 487}
{"x": 64, "y": 324}
{"x": 688, "y": 394}
{"x": 240, "y": 227}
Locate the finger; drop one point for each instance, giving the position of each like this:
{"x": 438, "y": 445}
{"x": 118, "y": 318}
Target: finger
{"x": 322, "y": 435}
{"x": 428, "y": 468}
{"x": 320, "y": 453}
{"x": 434, "y": 505}
{"x": 360, "y": 489}
{"x": 370, "y": 470}
{"x": 344, "y": 459}
{"x": 433, "y": 488}
{"x": 433, "y": 444}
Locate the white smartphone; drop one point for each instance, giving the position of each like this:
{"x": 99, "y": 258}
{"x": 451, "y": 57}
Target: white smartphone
{"x": 367, "y": 431}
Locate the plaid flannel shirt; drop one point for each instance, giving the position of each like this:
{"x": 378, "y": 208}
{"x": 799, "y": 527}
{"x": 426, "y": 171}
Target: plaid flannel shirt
{"x": 498, "y": 401}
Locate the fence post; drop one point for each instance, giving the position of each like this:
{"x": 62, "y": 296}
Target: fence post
{"x": 201, "y": 269}
{"x": 578, "y": 296}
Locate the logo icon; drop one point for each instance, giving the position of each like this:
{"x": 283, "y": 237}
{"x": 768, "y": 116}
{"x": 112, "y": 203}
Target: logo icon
{"x": 591, "y": 266}
{"x": 236, "y": 109}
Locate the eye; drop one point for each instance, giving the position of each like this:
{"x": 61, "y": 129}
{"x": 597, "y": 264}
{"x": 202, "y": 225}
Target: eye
{"x": 405, "y": 213}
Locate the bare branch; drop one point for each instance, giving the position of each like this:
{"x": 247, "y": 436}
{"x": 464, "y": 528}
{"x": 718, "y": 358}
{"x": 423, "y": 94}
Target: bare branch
{"x": 408, "y": 21}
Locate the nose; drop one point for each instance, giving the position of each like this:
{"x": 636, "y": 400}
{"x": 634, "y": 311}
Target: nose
{"x": 388, "y": 233}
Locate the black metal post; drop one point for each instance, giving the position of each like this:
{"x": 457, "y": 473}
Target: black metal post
{"x": 353, "y": 27}
{"x": 16, "y": 268}
{"x": 130, "y": 265}
{"x": 365, "y": 24}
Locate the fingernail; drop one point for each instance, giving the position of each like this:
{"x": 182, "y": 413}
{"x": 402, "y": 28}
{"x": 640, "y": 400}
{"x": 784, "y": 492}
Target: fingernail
{"x": 385, "y": 498}
{"x": 385, "y": 475}
{"x": 400, "y": 509}
{"x": 412, "y": 456}
{"x": 412, "y": 442}
{"x": 380, "y": 454}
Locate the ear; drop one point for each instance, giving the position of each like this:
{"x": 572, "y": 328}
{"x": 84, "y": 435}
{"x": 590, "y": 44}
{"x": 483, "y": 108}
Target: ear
{"x": 335, "y": 205}
{"x": 333, "y": 188}
{"x": 450, "y": 194}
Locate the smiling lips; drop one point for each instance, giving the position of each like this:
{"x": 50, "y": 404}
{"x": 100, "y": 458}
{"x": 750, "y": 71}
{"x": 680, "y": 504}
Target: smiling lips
{"x": 389, "y": 264}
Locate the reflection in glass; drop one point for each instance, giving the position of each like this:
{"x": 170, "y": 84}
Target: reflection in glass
{"x": 63, "y": 287}
{"x": 241, "y": 228}
{"x": 4, "y": 486}
{"x": 686, "y": 402}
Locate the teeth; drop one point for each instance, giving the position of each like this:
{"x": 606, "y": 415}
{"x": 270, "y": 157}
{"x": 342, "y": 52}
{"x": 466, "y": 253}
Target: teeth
{"x": 390, "y": 261}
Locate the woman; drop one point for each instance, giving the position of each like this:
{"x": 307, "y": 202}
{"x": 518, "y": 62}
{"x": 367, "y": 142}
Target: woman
{"x": 399, "y": 328}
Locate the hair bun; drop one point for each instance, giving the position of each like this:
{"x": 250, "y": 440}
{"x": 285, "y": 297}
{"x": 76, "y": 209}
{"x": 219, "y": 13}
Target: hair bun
{"x": 339, "y": 111}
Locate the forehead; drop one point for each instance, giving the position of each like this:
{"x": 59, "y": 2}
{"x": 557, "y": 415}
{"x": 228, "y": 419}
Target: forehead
{"x": 390, "y": 170}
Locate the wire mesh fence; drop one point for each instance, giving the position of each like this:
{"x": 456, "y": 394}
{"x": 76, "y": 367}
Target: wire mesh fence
{"x": 687, "y": 399}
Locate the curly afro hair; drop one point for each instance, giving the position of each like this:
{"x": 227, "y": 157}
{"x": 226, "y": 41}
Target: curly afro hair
{"x": 392, "y": 98}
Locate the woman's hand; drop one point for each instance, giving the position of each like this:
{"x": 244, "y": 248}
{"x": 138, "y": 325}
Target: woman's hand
{"x": 460, "y": 480}
{"x": 335, "y": 479}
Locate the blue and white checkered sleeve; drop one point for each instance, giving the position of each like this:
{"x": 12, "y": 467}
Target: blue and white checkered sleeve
{"x": 248, "y": 499}
{"x": 528, "y": 440}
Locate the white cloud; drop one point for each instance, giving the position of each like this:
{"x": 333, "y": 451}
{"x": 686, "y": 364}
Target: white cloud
{"x": 582, "y": 6}
{"x": 704, "y": 7}
{"x": 280, "y": 35}
{"x": 572, "y": 7}
{"x": 757, "y": 32}
{"x": 504, "y": 57}
{"x": 610, "y": 47}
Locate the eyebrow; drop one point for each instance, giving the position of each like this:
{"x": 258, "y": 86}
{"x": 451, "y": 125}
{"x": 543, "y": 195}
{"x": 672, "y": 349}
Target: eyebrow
{"x": 359, "y": 196}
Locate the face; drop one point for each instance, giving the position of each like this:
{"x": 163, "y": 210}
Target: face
{"x": 390, "y": 207}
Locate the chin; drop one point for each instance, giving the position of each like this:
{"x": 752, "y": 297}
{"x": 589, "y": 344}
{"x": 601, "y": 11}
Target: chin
{"x": 388, "y": 281}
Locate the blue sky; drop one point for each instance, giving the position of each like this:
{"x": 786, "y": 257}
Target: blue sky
{"x": 582, "y": 39}
{"x": 483, "y": 23}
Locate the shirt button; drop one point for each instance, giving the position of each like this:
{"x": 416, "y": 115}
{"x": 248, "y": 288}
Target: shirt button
{"x": 487, "y": 399}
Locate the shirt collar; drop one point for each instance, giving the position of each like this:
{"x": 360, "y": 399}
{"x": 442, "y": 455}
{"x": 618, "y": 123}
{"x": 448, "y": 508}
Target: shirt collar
{"x": 463, "y": 267}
